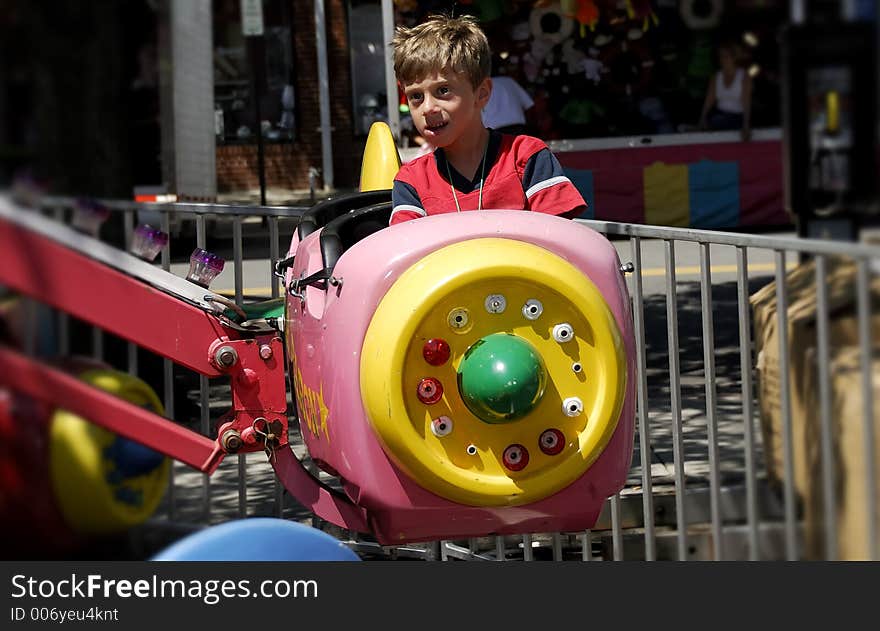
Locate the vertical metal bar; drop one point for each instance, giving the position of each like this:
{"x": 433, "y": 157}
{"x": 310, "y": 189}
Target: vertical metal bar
{"x": 128, "y": 231}
{"x": 527, "y": 548}
{"x": 865, "y": 343}
{"x": 642, "y": 394}
{"x": 127, "y": 228}
{"x": 237, "y": 259}
{"x": 63, "y": 334}
{"x": 557, "y": 546}
{"x": 273, "y": 256}
{"x": 204, "y": 402}
{"x": 616, "y": 532}
{"x": 745, "y": 362}
{"x": 62, "y": 320}
{"x": 791, "y": 544}
{"x": 239, "y": 300}
{"x": 827, "y": 447}
{"x": 274, "y": 284}
{"x": 586, "y": 546}
{"x": 97, "y": 343}
{"x": 444, "y": 553}
{"x": 168, "y": 374}
{"x": 711, "y": 403}
{"x": 390, "y": 80}
{"x": 132, "y": 359}
{"x": 30, "y": 315}
{"x": 324, "y": 95}
{"x": 797, "y": 11}
{"x": 500, "y": 554}
{"x": 675, "y": 398}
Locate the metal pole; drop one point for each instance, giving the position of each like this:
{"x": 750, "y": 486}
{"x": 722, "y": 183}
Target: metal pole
{"x": 324, "y": 94}
{"x": 255, "y": 52}
{"x": 797, "y": 11}
{"x": 390, "y": 79}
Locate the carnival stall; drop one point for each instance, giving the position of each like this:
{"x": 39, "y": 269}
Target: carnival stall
{"x": 619, "y": 87}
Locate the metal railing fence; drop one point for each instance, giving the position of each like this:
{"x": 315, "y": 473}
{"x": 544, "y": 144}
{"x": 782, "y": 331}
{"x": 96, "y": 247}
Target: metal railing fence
{"x": 712, "y": 476}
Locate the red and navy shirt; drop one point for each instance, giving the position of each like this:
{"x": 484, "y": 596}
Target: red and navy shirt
{"x": 524, "y": 175}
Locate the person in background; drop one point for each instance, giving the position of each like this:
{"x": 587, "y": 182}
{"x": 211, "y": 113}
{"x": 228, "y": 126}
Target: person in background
{"x": 728, "y": 100}
{"x": 443, "y": 67}
{"x": 508, "y": 106}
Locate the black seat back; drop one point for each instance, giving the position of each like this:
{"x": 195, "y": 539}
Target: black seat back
{"x": 324, "y": 212}
{"x": 346, "y": 230}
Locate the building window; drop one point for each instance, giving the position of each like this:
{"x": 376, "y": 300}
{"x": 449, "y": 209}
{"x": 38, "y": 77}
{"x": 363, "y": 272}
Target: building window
{"x": 247, "y": 67}
{"x": 367, "y": 64}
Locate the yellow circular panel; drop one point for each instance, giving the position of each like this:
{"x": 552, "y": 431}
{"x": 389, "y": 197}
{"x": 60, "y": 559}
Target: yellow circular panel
{"x": 94, "y": 497}
{"x": 417, "y": 308}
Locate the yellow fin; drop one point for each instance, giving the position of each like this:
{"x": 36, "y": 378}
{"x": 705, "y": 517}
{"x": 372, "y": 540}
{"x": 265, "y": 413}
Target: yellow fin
{"x": 381, "y": 160}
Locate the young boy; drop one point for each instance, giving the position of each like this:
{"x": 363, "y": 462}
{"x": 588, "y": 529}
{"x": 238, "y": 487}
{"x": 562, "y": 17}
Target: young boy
{"x": 443, "y": 67}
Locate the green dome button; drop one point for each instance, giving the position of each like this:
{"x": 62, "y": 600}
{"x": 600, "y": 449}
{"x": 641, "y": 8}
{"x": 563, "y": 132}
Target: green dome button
{"x": 501, "y": 378}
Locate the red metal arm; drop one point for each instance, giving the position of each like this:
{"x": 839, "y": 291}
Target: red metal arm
{"x": 67, "y": 280}
{"x": 53, "y": 386}
{"x": 36, "y": 265}
{"x": 46, "y": 270}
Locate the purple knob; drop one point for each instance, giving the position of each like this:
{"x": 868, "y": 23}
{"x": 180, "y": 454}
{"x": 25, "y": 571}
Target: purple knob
{"x": 204, "y": 267}
{"x": 88, "y": 215}
{"x": 147, "y": 242}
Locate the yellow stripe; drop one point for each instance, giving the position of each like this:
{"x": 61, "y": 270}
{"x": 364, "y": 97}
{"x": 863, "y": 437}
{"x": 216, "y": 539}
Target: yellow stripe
{"x": 694, "y": 270}
{"x": 255, "y": 292}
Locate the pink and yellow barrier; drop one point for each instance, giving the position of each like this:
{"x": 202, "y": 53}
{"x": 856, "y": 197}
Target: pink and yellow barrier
{"x": 707, "y": 185}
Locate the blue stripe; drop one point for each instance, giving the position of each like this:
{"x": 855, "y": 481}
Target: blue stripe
{"x": 403, "y": 194}
{"x": 714, "y": 194}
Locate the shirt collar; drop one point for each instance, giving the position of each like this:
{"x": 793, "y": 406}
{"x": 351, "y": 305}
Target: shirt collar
{"x": 460, "y": 182}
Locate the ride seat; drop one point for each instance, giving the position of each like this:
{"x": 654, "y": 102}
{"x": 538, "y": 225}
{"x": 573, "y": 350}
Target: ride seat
{"x": 326, "y": 211}
{"x": 346, "y": 230}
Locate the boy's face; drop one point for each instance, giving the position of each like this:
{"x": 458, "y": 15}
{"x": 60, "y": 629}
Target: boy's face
{"x": 444, "y": 106}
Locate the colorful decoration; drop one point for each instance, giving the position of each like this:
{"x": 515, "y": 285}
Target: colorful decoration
{"x": 585, "y": 12}
{"x": 481, "y": 398}
{"x": 701, "y": 14}
{"x": 550, "y": 24}
{"x": 642, "y": 10}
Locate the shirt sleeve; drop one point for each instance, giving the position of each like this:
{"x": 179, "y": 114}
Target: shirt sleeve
{"x": 525, "y": 98}
{"x": 405, "y": 203}
{"x": 547, "y": 188}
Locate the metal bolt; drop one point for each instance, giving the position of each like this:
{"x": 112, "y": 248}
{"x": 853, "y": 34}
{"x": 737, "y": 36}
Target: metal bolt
{"x": 572, "y": 406}
{"x": 563, "y": 332}
{"x": 441, "y": 426}
{"x": 627, "y": 268}
{"x": 533, "y": 309}
{"x": 458, "y": 318}
{"x": 226, "y": 357}
{"x": 231, "y": 441}
{"x": 266, "y": 351}
{"x": 495, "y": 303}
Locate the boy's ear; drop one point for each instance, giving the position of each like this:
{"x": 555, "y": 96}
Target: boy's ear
{"x": 484, "y": 91}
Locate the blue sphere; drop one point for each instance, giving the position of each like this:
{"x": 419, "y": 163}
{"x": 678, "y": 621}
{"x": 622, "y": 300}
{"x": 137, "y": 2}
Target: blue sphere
{"x": 258, "y": 539}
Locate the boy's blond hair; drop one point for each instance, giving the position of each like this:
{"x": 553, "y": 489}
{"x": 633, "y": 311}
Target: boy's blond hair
{"x": 441, "y": 42}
